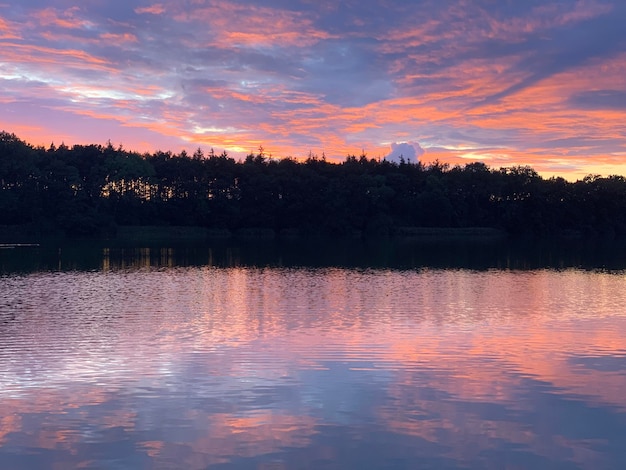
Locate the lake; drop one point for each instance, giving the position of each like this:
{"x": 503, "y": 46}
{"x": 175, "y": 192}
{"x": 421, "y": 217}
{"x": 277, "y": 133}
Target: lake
{"x": 328, "y": 356}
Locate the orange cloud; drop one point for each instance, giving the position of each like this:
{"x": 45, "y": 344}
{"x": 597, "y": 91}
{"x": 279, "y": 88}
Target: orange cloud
{"x": 156, "y": 9}
{"x": 119, "y": 38}
{"x": 8, "y": 30}
{"x": 250, "y": 25}
{"x": 22, "y": 53}
{"x": 68, "y": 19}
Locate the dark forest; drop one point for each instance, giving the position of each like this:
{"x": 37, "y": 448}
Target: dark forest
{"x": 89, "y": 190}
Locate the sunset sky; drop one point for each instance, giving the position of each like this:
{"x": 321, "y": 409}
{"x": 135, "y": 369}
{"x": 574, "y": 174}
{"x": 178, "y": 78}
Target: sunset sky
{"x": 540, "y": 83}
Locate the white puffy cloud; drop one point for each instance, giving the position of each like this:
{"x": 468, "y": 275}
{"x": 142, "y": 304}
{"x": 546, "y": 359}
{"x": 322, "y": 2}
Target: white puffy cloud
{"x": 409, "y": 151}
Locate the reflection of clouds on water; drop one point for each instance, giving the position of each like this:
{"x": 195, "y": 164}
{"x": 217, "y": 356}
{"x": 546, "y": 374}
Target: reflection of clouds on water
{"x": 422, "y": 422}
{"x": 600, "y": 363}
{"x": 209, "y": 366}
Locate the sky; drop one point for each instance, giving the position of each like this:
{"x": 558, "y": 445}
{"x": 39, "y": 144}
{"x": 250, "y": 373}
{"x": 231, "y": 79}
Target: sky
{"x": 505, "y": 82}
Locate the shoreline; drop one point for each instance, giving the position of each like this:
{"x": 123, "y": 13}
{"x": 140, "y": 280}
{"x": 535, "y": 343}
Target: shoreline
{"x": 25, "y": 236}
{"x": 21, "y": 236}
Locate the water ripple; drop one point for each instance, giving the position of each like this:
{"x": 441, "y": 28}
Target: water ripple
{"x": 201, "y": 366}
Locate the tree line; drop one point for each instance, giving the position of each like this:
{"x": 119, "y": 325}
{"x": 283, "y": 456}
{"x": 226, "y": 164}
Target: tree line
{"x": 91, "y": 189}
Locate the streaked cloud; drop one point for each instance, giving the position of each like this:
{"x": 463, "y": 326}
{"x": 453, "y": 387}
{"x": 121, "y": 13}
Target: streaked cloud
{"x": 538, "y": 83}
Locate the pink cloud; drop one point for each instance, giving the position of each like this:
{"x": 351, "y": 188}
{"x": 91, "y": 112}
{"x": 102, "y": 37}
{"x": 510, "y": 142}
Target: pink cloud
{"x": 156, "y": 9}
{"x": 8, "y": 30}
{"x": 67, "y": 19}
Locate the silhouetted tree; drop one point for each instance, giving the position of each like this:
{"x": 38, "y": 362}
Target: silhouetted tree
{"x": 88, "y": 189}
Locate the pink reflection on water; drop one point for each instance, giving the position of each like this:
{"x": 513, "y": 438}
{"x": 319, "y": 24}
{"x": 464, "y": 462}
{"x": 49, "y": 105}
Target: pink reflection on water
{"x": 248, "y": 362}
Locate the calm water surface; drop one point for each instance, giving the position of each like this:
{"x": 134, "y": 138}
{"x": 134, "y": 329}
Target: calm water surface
{"x": 132, "y": 366}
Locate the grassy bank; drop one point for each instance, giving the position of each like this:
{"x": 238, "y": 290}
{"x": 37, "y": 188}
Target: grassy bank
{"x": 449, "y": 233}
{"x": 157, "y": 233}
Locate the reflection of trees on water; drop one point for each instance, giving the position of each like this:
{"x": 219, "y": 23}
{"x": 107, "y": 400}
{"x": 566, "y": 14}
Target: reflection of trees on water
{"x": 397, "y": 253}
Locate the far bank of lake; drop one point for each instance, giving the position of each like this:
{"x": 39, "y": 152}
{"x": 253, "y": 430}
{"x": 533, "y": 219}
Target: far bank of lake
{"x": 476, "y": 248}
